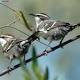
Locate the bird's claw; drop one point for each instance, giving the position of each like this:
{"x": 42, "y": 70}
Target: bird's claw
{"x": 9, "y": 68}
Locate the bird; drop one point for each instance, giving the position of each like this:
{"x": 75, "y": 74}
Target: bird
{"x": 52, "y": 30}
{"x": 12, "y": 47}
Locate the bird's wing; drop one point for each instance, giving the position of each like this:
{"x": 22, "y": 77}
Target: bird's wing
{"x": 55, "y": 24}
{"x": 60, "y": 23}
{"x": 45, "y": 24}
{"x": 9, "y": 45}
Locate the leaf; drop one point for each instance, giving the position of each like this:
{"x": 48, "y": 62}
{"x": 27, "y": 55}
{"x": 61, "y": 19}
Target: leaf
{"x": 25, "y": 21}
{"x": 46, "y": 74}
{"x": 19, "y": 15}
{"x": 34, "y": 61}
{"x": 35, "y": 66}
{"x": 27, "y": 76}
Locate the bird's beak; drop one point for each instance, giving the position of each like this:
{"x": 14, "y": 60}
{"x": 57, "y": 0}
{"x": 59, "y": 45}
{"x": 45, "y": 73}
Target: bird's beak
{"x": 1, "y": 37}
{"x": 32, "y": 14}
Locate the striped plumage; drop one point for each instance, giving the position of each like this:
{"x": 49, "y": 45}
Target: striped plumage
{"x": 7, "y": 42}
{"x": 13, "y": 47}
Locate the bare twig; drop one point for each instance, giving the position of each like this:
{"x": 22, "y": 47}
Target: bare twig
{"x": 8, "y": 26}
{"x": 43, "y": 53}
{"x": 8, "y": 7}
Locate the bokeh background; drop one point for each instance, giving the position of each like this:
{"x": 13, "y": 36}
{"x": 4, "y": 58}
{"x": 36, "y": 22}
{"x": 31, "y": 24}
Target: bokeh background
{"x": 63, "y": 64}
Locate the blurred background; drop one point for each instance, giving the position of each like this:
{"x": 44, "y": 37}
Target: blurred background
{"x": 63, "y": 64}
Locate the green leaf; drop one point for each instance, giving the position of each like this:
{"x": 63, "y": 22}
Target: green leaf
{"x": 46, "y": 75}
{"x": 27, "y": 76}
{"x": 34, "y": 61}
{"x": 35, "y": 66}
{"x": 25, "y": 21}
{"x": 19, "y": 15}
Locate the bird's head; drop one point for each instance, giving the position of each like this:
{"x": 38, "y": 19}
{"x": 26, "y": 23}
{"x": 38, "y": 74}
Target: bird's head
{"x": 40, "y": 17}
{"x": 5, "y": 38}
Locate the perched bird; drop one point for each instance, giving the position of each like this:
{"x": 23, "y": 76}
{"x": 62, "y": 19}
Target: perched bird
{"x": 50, "y": 29}
{"x": 12, "y": 47}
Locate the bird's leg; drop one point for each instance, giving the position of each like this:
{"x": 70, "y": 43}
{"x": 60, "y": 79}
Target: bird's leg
{"x": 22, "y": 61}
{"x": 61, "y": 42}
{"x": 47, "y": 47}
{"x": 9, "y": 66}
{"x": 24, "y": 58}
{"x": 38, "y": 38}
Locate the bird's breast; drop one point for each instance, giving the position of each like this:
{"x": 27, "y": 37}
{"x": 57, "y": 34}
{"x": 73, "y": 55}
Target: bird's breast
{"x": 2, "y": 42}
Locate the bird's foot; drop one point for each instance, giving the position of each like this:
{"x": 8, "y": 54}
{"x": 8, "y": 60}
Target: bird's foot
{"x": 9, "y": 68}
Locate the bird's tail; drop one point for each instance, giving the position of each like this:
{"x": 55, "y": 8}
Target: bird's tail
{"x": 78, "y": 24}
{"x": 74, "y": 26}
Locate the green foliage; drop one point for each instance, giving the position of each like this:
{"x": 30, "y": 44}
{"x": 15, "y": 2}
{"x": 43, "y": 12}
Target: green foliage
{"x": 35, "y": 72}
{"x": 34, "y": 62}
{"x": 35, "y": 66}
{"x": 20, "y": 16}
{"x": 46, "y": 75}
{"x": 25, "y": 21}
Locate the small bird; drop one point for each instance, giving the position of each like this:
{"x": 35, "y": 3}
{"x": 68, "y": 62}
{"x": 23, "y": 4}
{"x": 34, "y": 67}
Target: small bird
{"x": 12, "y": 47}
{"x": 50, "y": 29}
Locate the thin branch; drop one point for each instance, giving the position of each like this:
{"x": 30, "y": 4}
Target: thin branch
{"x": 8, "y": 7}
{"x": 8, "y": 26}
{"x": 42, "y": 54}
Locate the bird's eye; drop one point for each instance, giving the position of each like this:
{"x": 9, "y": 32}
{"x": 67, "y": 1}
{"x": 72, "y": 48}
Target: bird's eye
{"x": 42, "y": 18}
{"x": 38, "y": 15}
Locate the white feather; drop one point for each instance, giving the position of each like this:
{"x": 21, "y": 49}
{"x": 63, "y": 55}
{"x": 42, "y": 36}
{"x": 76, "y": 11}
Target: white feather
{"x": 2, "y": 42}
